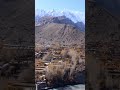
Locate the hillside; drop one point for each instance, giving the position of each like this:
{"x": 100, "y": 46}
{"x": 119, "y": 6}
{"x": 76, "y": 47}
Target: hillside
{"x": 58, "y": 29}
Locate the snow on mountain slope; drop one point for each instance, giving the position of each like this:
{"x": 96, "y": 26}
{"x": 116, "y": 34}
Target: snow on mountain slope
{"x": 75, "y": 16}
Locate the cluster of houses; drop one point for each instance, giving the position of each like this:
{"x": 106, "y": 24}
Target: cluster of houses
{"x": 55, "y": 56}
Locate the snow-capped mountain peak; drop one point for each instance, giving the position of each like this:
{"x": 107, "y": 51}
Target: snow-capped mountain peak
{"x": 75, "y": 16}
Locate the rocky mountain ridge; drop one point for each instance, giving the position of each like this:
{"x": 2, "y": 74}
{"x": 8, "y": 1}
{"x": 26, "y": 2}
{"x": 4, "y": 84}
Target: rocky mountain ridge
{"x": 59, "y": 29}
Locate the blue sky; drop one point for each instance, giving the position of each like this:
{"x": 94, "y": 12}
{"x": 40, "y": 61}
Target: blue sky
{"x": 76, "y": 5}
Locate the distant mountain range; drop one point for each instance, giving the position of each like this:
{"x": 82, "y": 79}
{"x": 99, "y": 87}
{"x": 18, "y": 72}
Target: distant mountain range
{"x": 75, "y": 16}
{"x": 61, "y": 20}
{"x": 50, "y": 28}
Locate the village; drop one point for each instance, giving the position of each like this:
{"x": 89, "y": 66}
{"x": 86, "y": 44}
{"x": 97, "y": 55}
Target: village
{"x": 56, "y": 63}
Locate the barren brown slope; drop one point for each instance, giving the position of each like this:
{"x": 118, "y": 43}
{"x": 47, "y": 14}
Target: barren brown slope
{"x": 55, "y": 32}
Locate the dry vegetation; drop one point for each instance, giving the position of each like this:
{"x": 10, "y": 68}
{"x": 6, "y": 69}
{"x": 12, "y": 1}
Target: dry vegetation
{"x": 60, "y": 65}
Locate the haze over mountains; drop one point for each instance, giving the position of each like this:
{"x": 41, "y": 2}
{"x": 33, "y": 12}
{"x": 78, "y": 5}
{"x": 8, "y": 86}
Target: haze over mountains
{"x": 51, "y": 28}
